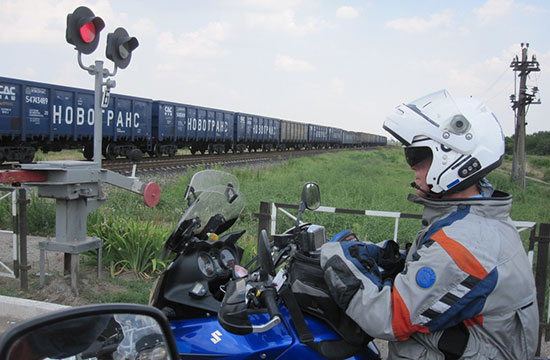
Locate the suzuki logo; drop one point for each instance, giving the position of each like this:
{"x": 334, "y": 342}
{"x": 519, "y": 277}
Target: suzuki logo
{"x": 216, "y": 337}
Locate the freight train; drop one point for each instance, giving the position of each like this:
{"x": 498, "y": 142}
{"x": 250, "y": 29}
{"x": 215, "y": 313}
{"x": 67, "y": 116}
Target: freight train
{"x": 52, "y": 118}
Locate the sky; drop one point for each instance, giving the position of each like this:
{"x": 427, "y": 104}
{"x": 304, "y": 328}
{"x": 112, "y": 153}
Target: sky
{"x": 336, "y": 63}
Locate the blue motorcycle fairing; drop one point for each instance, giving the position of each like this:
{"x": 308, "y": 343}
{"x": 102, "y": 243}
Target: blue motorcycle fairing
{"x": 204, "y": 338}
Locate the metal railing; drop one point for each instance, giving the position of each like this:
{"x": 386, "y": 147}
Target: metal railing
{"x": 6, "y": 271}
{"x": 19, "y": 235}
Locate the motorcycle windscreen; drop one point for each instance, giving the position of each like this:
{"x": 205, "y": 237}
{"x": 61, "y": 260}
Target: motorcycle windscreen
{"x": 207, "y": 179}
{"x": 219, "y": 202}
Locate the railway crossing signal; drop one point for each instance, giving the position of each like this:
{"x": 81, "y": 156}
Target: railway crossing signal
{"x": 78, "y": 186}
{"x": 83, "y": 29}
{"x": 120, "y": 46}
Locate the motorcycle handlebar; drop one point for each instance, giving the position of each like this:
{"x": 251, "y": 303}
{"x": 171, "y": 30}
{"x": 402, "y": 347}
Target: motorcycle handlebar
{"x": 268, "y": 297}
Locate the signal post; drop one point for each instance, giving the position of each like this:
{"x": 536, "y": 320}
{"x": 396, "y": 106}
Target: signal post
{"x": 77, "y": 186}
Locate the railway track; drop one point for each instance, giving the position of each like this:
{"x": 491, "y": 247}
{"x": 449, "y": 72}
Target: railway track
{"x": 149, "y": 165}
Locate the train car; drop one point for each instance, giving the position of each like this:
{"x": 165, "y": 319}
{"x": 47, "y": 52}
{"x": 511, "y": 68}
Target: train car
{"x": 364, "y": 139}
{"x": 293, "y": 135}
{"x": 198, "y": 128}
{"x": 347, "y": 138}
{"x": 380, "y": 140}
{"x": 335, "y": 137}
{"x": 254, "y": 132}
{"x": 51, "y": 118}
{"x": 317, "y": 136}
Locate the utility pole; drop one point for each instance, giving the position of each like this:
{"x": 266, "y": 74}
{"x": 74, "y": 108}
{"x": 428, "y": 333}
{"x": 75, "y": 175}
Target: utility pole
{"x": 520, "y": 106}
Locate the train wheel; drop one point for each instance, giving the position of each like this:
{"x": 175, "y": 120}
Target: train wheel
{"x": 158, "y": 151}
{"x": 110, "y": 153}
{"x": 193, "y": 151}
{"x": 134, "y": 155}
{"x": 88, "y": 152}
{"x": 202, "y": 151}
{"x": 28, "y": 157}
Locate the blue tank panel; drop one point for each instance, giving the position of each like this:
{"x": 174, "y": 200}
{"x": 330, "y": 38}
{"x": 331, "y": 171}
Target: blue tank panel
{"x": 205, "y": 336}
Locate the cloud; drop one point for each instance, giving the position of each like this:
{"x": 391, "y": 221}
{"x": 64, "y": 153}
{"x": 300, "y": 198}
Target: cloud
{"x": 419, "y": 25}
{"x": 285, "y": 21}
{"x": 288, "y": 63}
{"x": 45, "y": 24}
{"x": 347, "y": 12}
{"x": 203, "y": 43}
{"x": 493, "y": 9}
{"x": 272, "y": 4}
{"x": 41, "y": 22}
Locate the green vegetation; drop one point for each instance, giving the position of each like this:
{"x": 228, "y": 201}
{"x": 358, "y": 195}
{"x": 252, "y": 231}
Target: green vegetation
{"x": 131, "y": 245}
{"x": 366, "y": 180}
{"x": 535, "y": 144}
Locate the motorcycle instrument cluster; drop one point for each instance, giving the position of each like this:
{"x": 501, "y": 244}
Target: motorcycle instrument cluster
{"x": 206, "y": 264}
{"x": 227, "y": 258}
{"x": 216, "y": 261}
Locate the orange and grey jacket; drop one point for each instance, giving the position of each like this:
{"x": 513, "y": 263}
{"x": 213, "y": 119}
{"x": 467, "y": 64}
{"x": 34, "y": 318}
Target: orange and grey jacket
{"x": 466, "y": 291}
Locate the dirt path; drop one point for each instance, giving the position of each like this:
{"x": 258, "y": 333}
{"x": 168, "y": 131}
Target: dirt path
{"x": 57, "y": 287}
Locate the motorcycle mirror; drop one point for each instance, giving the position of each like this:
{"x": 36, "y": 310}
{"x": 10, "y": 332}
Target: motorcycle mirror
{"x": 91, "y": 331}
{"x": 264, "y": 257}
{"x": 311, "y": 200}
{"x": 311, "y": 196}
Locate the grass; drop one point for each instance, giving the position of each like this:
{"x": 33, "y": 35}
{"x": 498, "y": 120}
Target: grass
{"x": 373, "y": 180}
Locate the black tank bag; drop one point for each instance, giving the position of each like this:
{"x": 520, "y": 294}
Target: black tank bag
{"x": 307, "y": 292}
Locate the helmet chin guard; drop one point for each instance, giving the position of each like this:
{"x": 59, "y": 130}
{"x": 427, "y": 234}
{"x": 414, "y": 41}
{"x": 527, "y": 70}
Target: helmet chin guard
{"x": 463, "y": 134}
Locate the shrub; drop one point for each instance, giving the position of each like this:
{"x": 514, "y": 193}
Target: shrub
{"x": 131, "y": 245}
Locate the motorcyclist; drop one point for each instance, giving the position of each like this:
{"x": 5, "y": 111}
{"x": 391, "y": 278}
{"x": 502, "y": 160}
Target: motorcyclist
{"x": 466, "y": 290}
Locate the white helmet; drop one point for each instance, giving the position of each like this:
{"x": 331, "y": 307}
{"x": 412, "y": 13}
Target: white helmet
{"x": 463, "y": 136}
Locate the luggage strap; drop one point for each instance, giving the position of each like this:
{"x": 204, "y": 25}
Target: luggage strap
{"x": 330, "y": 349}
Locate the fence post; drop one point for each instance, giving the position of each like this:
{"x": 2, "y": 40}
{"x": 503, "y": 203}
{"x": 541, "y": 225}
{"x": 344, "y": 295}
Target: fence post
{"x": 264, "y": 217}
{"x": 23, "y": 265}
{"x": 540, "y": 278}
{"x": 15, "y": 236}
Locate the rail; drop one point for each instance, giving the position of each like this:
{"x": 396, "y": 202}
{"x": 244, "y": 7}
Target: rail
{"x": 268, "y": 220}
{"x": 19, "y": 235}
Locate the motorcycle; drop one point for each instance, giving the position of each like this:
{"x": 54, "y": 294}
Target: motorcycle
{"x": 218, "y": 308}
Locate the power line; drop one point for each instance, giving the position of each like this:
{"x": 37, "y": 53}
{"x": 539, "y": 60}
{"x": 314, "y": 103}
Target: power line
{"x": 521, "y": 100}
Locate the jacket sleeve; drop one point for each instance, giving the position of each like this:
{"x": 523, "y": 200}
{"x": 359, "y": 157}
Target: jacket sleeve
{"x": 442, "y": 285}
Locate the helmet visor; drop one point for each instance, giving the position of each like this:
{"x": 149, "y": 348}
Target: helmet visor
{"x": 440, "y": 110}
{"x": 415, "y": 155}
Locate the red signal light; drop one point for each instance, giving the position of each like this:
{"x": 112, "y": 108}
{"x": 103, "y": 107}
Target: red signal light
{"x": 83, "y": 30}
{"x": 87, "y": 32}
